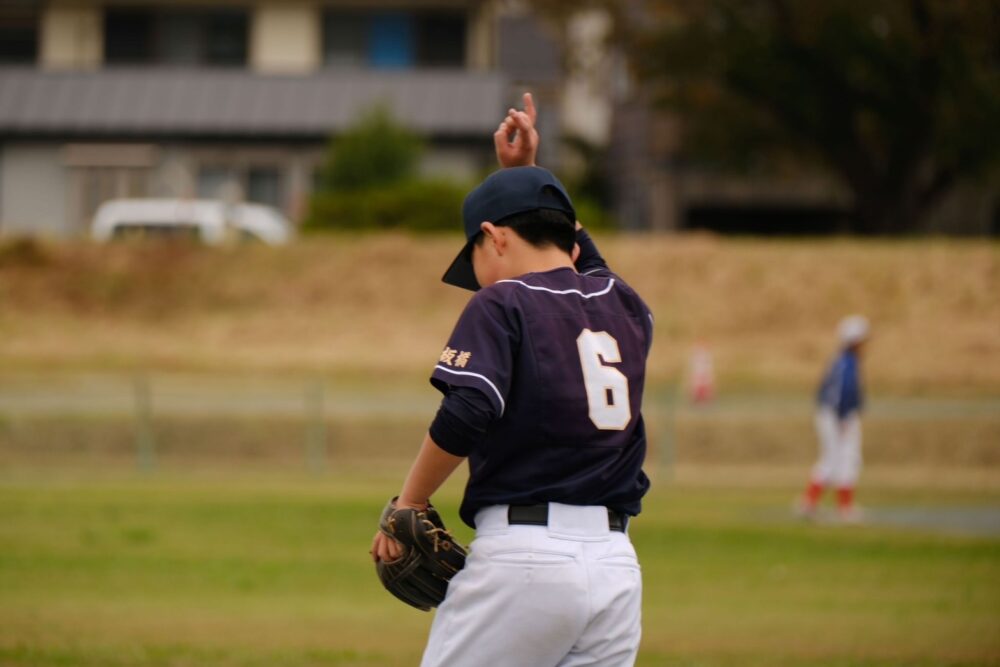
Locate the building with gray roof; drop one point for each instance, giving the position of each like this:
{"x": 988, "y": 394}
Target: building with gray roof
{"x": 237, "y": 100}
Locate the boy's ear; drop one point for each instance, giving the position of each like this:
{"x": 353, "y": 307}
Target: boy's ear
{"x": 575, "y": 255}
{"x": 495, "y": 235}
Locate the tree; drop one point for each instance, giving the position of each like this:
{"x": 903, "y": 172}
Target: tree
{"x": 374, "y": 151}
{"x": 370, "y": 180}
{"x": 900, "y": 99}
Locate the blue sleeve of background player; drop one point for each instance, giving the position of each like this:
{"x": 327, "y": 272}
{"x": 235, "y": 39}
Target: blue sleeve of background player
{"x": 840, "y": 390}
{"x": 850, "y": 388}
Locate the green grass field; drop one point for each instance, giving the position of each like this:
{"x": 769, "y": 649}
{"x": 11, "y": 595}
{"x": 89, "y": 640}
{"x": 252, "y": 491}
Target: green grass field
{"x": 217, "y": 568}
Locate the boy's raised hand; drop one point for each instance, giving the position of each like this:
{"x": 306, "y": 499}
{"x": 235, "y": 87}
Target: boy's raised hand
{"x": 516, "y": 140}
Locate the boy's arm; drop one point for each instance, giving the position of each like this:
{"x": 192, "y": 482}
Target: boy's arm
{"x": 430, "y": 469}
{"x": 589, "y": 259}
{"x": 516, "y": 143}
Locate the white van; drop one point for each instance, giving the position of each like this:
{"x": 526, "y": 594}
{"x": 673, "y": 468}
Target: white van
{"x": 208, "y": 220}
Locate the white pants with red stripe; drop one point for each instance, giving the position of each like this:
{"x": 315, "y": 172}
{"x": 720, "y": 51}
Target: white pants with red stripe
{"x": 564, "y": 595}
{"x": 839, "y": 463}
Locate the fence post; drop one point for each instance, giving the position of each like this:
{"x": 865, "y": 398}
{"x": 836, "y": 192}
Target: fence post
{"x": 144, "y": 443}
{"x": 315, "y": 427}
{"x": 667, "y": 449}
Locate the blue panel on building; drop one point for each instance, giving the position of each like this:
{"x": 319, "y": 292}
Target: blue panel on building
{"x": 392, "y": 41}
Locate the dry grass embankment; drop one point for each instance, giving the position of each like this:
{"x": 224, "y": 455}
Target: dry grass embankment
{"x": 373, "y": 306}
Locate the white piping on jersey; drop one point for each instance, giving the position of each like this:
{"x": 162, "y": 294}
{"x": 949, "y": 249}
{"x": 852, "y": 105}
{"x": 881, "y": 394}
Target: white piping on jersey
{"x": 587, "y": 273}
{"x": 611, "y": 283}
{"x": 503, "y": 406}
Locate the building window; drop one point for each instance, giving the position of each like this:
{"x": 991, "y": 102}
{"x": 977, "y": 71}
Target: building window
{"x": 141, "y": 36}
{"x": 96, "y": 185}
{"x": 390, "y": 41}
{"x": 216, "y": 182}
{"x": 264, "y": 186}
{"x": 225, "y": 38}
{"x": 258, "y": 184}
{"x": 394, "y": 40}
{"x": 179, "y": 34}
{"x": 18, "y": 33}
{"x": 441, "y": 39}
{"x": 345, "y": 39}
{"x": 128, "y": 36}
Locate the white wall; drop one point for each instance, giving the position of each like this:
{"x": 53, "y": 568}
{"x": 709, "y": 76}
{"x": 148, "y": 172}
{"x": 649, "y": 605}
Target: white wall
{"x": 285, "y": 37}
{"x": 71, "y": 36}
{"x": 33, "y": 191}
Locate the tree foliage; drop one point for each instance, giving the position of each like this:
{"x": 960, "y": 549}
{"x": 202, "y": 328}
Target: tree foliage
{"x": 376, "y": 151}
{"x": 898, "y": 98}
{"x": 370, "y": 181}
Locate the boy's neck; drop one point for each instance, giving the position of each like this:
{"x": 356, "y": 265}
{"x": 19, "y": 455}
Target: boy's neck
{"x": 537, "y": 260}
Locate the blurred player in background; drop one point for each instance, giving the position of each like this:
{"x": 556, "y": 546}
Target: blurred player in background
{"x": 701, "y": 375}
{"x": 838, "y": 424}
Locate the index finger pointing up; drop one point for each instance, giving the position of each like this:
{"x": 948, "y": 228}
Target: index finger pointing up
{"x": 529, "y": 107}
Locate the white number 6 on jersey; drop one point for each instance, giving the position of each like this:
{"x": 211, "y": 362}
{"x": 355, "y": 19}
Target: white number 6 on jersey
{"x": 607, "y": 387}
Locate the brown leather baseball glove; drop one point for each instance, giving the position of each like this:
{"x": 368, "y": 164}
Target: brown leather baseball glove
{"x": 431, "y": 556}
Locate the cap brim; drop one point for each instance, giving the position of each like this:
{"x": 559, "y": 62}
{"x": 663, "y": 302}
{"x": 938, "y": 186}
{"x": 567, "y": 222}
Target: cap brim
{"x": 460, "y": 273}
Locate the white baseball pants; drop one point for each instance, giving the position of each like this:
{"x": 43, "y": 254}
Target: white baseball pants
{"x": 839, "y": 462}
{"x": 564, "y": 595}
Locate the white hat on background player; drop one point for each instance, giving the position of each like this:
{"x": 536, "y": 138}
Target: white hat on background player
{"x": 852, "y": 330}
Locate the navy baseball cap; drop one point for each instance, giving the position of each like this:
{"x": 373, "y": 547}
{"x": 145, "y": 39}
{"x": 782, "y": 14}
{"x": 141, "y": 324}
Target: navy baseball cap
{"x": 504, "y": 193}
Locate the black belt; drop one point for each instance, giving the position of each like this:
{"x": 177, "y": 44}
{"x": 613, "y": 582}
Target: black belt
{"x": 538, "y": 515}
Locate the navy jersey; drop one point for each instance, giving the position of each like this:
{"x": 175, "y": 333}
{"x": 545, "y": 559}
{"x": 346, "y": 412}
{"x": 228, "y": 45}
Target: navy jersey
{"x": 840, "y": 389}
{"x": 561, "y": 357}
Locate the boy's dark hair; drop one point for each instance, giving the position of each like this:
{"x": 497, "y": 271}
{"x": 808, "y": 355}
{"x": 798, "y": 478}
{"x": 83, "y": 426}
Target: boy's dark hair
{"x": 541, "y": 227}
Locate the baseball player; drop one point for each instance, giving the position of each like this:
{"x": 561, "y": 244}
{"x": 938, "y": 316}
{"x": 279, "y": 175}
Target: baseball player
{"x": 542, "y": 380}
{"x": 838, "y": 425}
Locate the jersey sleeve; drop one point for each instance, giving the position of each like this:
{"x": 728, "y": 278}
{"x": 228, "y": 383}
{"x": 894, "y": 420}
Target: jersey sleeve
{"x": 480, "y": 351}
{"x": 649, "y": 324}
{"x": 590, "y": 261}
{"x": 462, "y": 420}
{"x": 850, "y": 390}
